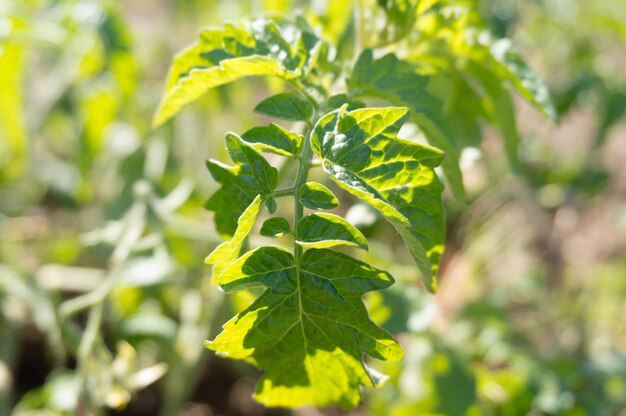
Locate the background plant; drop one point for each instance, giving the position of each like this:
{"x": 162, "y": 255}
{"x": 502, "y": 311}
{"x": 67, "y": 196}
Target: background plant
{"x": 535, "y": 301}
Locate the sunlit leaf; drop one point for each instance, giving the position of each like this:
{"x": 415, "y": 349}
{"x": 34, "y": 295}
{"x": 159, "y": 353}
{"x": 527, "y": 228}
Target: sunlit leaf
{"x": 13, "y": 138}
{"x": 397, "y": 82}
{"x": 323, "y": 230}
{"x": 360, "y": 150}
{"x": 251, "y": 176}
{"x": 227, "y": 252}
{"x": 275, "y": 227}
{"x": 274, "y": 139}
{"x": 314, "y": 195}
{"x": 261, "y": 48}
{"x": 285, "y": 106}
{"x": 309, "y": 329}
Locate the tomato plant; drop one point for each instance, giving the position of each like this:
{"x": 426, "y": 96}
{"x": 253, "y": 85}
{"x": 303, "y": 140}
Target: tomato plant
{"x": 433, "y": 64}
{"x": 358, "y": 126}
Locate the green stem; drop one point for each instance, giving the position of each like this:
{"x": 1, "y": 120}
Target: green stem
{"x": 301, "y": 177}
{"x": 284, "y": 192}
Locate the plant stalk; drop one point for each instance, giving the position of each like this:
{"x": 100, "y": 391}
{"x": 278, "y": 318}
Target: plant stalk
{"x": 301, "y": 177}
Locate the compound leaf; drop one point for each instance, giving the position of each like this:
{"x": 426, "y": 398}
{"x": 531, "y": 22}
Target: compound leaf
{"x": 309, "y": 329}
{"x": 360, "y": 150}
{"x": 285, "y": 106}
{"x": 314, "y": 195}
{"x": 251, "y": 176}
{"x": 275, "y": 227}
{"x": 227, "y": 252}
{"x": 262, "y": 48}
{"x": 397, "y": 82}
{"x": 323, "y": 230}
{"x": 274, "y": 139}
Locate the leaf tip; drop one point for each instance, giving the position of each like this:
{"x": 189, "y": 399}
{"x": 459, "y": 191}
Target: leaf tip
{"x": 159, "y": 119}
{"x": 432, "y": 287}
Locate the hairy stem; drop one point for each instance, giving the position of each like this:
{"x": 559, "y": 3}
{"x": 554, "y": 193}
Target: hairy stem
{"x": 283, "y": 192}
{"x": 301, "y": 177}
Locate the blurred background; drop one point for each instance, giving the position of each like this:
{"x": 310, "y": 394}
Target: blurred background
{"x": 103, "y": 234}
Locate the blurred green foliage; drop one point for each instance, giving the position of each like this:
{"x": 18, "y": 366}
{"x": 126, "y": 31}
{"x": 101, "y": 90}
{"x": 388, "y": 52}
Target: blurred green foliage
{"x": 103, "y": 289}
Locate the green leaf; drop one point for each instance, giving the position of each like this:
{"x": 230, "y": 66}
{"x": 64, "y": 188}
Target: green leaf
{"x": 464, "y": 109}
{"x": 274, "y": 139}
{"x": 286, "y": 106}
{"x": 314, "y": 195}
{"x": 13, "y": 134}
{"x": 227, "y": 252}
{"x": 510, "y": 66}
{"x": 270, "y": 204}
{"x": 275, "y": 227}
{"x": 360, "y": 150}
{"x": 474, "y": 42}
{"x": 400, "y": 19}
{"x": 397, "y": 82}
{"x": 337, "y": 101}
{"x": 261, "y": 48}
{"x": 500, "y": 109}
{"x": 323, "y": 230}
{"x": 251, "y": 176}
{"x": 309, "y": 329}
